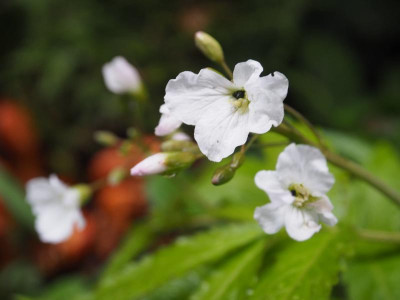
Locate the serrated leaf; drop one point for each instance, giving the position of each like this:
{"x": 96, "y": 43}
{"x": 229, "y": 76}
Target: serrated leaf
{"x": 173, "y": 261}
{"x": 179, "y": 288}
{"x": 231, "y": 280}
{"x": 374, "y": 280}
{"x": 137, "y": 239}
{"x": 302, "y": 270}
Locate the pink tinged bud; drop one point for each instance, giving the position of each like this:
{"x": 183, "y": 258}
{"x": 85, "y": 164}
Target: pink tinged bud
{"x": 154, "y": 164}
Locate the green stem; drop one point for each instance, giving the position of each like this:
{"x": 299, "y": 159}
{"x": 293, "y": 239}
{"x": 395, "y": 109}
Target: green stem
{"x": 379, "y": 236}
{"x": 343, "y": 163}
{"x": 248, "y": 145}
{"x": 226, "y": 69}
{"x": 304, "y": 120}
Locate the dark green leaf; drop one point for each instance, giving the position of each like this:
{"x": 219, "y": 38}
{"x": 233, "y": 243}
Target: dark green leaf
{"x": 185, "y": 254}
{"x": 374, "y": 280}
{"x": 14, "y": 197}
{"x": 135, "y": 241}
{"x": 303, "y": 270}
{"x": 231, "y": 280}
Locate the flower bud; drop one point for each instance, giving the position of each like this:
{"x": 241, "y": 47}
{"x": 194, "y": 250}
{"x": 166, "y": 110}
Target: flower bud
{"x": 163, "y": 163}
{"x": 85, "y": 192}
{"x": 132, "y": 133}
{"x": 121, "y": 77}
{"x": 223, "y": 175}
{"x": 175, "y": 145}
{"x": 154, "y": 164}
{"x": 117, "y": 175}
{"x": 237, "y": 160}
{"x": 209, "y": 46}
{"x": 105, "y": 138}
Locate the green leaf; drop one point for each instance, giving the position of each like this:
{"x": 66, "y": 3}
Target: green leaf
{"x": 185, "y": 254}
{"x": 368, "y": 208}
{"x": 14, "y": 197}
{"x": 234, "y": 212}
{"x": 303, "y": 270}
{"x": 65, "y": 288}
{"x": 180, "y": 288}
{"x": 231, "y": 280}
{"x": 139, "y": 237}
{"x": 374, "y": 280}
{"x": 19, "y": 276}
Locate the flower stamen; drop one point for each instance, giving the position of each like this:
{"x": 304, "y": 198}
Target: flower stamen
{"x": 241, "y": 103}
{"x": 239, "y": 94}
{"x": 302, "y": 195}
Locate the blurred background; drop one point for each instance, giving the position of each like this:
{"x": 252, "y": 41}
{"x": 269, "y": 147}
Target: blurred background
{"x": 342, "y": 59}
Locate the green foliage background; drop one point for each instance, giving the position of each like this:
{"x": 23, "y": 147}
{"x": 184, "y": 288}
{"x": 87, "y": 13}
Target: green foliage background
{"x": 342, "y": 60}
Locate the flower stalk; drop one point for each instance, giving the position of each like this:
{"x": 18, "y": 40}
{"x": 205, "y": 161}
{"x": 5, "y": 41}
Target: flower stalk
{"x": 305, "y": 121}
{"x": 379, "y": 236}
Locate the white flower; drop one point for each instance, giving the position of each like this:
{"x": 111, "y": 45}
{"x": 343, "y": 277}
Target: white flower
{"x": 121, "y": 77}
{"x": 224, "y": 112}
{"x": 297, "y": 192}
{"x": 167, "y": 123}
{"x": 56, "y": 208}
{"x": 154, "y": 164}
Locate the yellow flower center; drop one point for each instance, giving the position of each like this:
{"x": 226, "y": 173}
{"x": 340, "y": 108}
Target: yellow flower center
{"x": 240, "y": 102}
{"x": 301, "y": 195}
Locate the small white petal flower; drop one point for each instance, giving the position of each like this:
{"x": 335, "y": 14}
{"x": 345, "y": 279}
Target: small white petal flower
{"x": 167, "y": 123}
{"x": 154, "y": 164}
{"x": 121, "y": 77}
{"x": 56, "y": 208}
{"x": 225, "y": 112}
{"x": 297, "y": 192}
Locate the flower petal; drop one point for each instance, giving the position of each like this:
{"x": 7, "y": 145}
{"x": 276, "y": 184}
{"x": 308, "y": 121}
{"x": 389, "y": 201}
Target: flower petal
{"x": 246, "y": 72}
{"x": 268, "y": 181}
{"x": 302, "y": 164}
{"x": 301, "y": 224}
{"x": 220, "y": 130}
{"x": 266, "y": 96}
{"x": 275, "y": 83}
{"x": 57, "y": 185}
{"x": 271, "y": 216}
{"x": 154, "y": 164}
{"x": 38, "y": 191}
{"x": 190, "y": 95}
{"x": 120, "y": 76}
{"x": 324, "y": 208}
{"x": 56, "y": 224}
{"x": 167, "y": 123}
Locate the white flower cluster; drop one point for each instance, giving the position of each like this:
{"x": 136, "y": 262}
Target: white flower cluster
{"x": 223, "y": 112}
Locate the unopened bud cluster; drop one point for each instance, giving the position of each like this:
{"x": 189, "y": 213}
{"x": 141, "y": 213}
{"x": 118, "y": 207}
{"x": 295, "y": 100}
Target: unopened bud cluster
{"x": 176, "y": 155}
